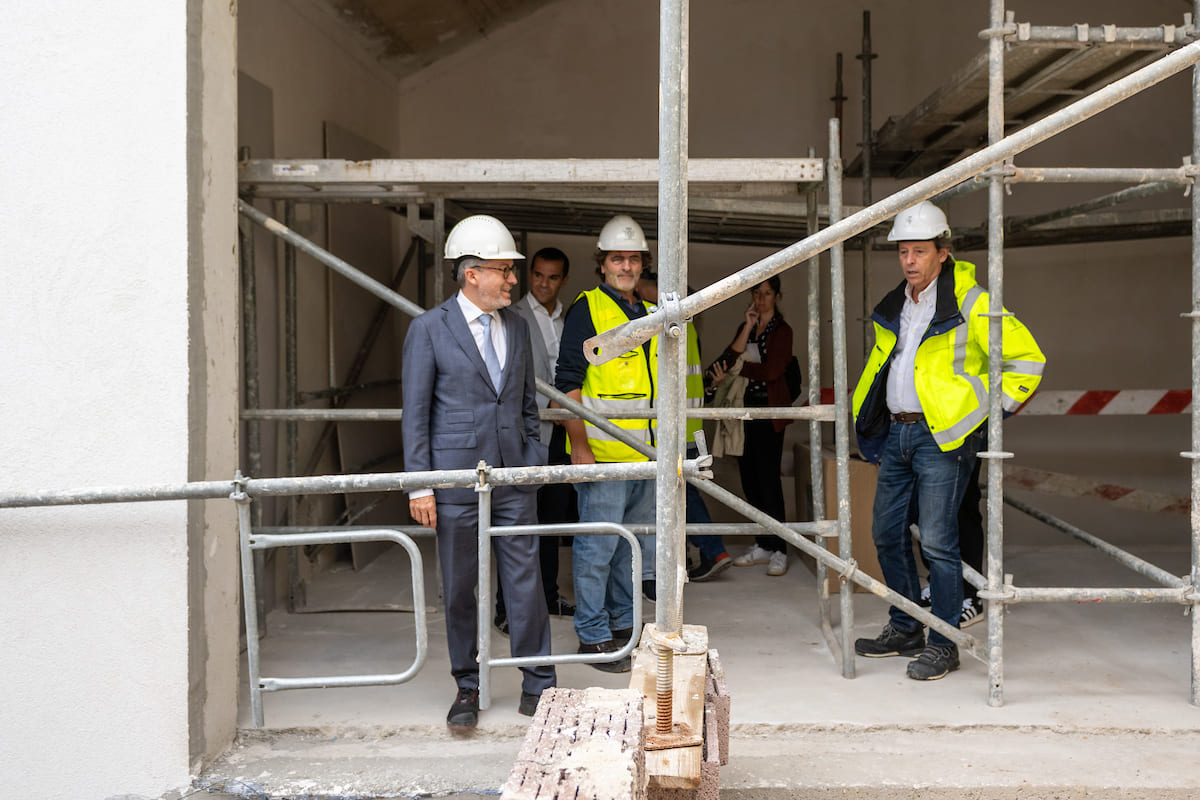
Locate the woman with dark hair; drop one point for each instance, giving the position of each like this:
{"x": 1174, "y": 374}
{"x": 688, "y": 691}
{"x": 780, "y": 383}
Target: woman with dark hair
{"x": 763, "y": 345}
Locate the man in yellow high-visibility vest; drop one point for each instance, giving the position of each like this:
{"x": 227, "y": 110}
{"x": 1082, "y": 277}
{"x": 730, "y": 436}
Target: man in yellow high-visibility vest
{"x": 919, "y": 412}
{"x": 604, "y": 590}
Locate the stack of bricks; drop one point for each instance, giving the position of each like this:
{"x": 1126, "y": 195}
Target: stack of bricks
{"x": 589, "y": 744}
{"x": 585, "y": 744}
{"x": 716, "y": 739}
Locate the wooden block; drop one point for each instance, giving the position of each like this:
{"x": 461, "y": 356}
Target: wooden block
{"x": 583, "y": 744}
{"x": 676, "y": 767}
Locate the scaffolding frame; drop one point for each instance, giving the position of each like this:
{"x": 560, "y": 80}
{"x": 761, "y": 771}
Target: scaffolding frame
{"x": 668, "y": 460}
{"x": 675, "y": 310}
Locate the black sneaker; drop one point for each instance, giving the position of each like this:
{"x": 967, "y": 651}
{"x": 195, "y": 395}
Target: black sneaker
{"x": 620, "y": 665}
{"x": 891, "y": 642}
{"x": 972, "y": 612}
{"x": 559, "y": 607}
{"x": 529, "y": 704}
{"x": 464, "y": 714}
{"x": 621, "y": 636}
{"x": 707, "y": 570}
{"x": 501, "y": 623}
{"x": 650, "y": 590}
{"x": 936, "y": 661}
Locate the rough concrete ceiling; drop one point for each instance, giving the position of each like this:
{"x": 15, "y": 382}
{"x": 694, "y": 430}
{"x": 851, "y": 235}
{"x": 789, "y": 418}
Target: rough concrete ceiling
{"x": 408, "y": 35}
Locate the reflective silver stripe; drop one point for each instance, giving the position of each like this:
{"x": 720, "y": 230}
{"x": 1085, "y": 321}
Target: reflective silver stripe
{"x": 970, "y": 422}
{"x": 599, "y": 435}
{"x": 1010, "y": 403}
{"x": 961, "y": 428}
{"x": 695, "y": 402}
{"x": 960, "y": 368}
{"x": 693, "y": 369}
{"x": 1024, "y": 367}
{"x": 607, "y": 404}
{"x": 603, "y": 404}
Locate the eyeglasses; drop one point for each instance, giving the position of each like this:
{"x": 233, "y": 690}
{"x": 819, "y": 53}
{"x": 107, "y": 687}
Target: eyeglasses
{"x": 507, "y": 271}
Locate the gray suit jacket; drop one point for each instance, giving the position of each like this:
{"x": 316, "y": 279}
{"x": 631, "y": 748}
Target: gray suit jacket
{"x": 543, "y": 360}
{"x": 453, "y": 416}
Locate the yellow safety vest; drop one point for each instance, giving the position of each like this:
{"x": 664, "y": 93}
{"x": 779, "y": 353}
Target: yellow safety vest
{"x": 695, "y": 384}
{"x": 951, "y": 369}
{"x": 625, "y": 383}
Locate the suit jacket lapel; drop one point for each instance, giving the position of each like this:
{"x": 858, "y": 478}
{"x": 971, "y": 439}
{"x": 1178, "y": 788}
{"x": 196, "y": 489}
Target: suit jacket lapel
{"x": 460, "y": 334}
{"x": 511, "y": 323}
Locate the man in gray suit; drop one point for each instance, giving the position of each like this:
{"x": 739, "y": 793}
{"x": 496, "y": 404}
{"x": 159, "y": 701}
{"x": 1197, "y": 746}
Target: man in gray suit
{"x": 469, "y": 396}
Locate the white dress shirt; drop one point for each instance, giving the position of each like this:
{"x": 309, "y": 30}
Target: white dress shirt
{"x": 472, "y": 312}
{"x": 914, "y": 320}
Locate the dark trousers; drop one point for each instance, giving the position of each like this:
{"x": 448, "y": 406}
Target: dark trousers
{"x": 556, "y": 502}
{"x": 520, "y": 576}
{"x": 760, "y": 466}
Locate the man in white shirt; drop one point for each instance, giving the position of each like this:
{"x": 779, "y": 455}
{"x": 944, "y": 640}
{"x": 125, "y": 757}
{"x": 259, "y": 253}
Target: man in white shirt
{"x": 543, "y": 311}
{"x": 469, "y": 396}
{"x": 919, "y": 412}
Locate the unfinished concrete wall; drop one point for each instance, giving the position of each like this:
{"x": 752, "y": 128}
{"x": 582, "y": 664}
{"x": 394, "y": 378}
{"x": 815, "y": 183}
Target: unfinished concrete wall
{"x": 213, "y": 359}
{"x": 95, "y": 224}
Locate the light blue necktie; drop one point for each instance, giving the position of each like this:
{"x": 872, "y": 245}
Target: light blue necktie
{"x": 490, "y": 359}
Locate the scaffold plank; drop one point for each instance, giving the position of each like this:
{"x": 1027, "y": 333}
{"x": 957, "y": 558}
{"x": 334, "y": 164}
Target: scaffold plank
{"x": 403, "y": 179}
{"x": 1039, "y": 78}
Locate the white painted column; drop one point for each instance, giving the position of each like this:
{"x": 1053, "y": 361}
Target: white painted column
{"x": 97, "y": 333}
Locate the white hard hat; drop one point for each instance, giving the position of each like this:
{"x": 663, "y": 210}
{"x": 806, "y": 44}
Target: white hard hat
{"x": 622, "y": 233}
{"x": 481, "y": 236}
{"x": 919, "y": 223}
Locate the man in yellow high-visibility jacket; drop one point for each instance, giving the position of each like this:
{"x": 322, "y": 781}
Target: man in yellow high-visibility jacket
{"x": 919, "y": 410}
{"x": 604, "y": 590}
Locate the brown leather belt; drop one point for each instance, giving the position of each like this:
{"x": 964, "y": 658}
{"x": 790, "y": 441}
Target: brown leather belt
{"x": 908, "y": 417}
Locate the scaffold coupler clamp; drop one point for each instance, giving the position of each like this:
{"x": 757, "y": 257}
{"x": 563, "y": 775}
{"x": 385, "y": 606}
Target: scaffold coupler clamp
{"x": 848, "y": 571}
{"x": 1006, "y": 593}
{"x": 1189, "y": 171}
{"x": 238, "y": 495}
{"x": 673, "y": 320}
{"x": 482, "y": 471}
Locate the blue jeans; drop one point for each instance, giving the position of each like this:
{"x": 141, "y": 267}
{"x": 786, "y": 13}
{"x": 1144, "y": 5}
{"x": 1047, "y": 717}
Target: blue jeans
{"x": 602, "y": 563}
{"x": 710, "y": 545}
{"x": 914, "y": 468}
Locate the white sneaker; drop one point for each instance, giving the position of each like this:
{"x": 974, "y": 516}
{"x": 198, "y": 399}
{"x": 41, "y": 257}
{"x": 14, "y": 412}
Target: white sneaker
{"x": 755, "y": 555}
{"x": 972, "y": 612}
{"x": 778, "y": 565}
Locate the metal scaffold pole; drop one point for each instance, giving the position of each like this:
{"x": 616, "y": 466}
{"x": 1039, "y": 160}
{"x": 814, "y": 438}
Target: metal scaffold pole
{"x": 841, "y": 430}
{"x": 1195, "y": 315}
{"x": 672, "y": 368}
{"x": 995, "y": 452}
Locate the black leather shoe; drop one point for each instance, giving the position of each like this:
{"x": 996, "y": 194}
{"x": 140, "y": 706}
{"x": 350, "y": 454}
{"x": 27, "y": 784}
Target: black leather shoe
{"x": 620, "y": 665}
{"x": 650, "y": 590}
{"x": 529, "y": 704}
{"x": 559, "y": 607}
{"x": 501, "y": 623}
{"x": 464, "y": 714}
{"x": 621, "y": 636}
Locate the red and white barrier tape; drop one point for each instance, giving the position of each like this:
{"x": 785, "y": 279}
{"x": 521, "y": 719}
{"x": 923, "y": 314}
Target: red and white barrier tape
{"x": 1131, "y": 402}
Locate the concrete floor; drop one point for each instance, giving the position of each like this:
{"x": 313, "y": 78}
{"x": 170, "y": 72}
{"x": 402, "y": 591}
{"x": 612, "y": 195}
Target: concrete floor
{"x": 1096, "y": 698}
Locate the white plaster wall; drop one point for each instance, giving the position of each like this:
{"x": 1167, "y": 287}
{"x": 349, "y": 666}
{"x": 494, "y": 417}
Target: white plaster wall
{"x": 93, "y": 221}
